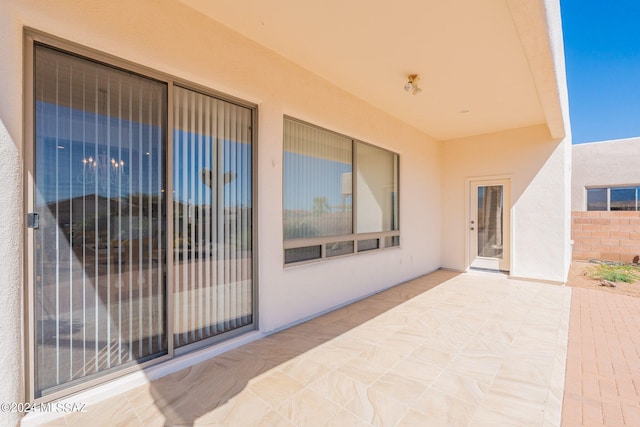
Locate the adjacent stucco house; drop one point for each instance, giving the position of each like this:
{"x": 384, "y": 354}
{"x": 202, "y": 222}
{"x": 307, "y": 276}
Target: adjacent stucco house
{"x": 605, "y": 189}
{"x": 183, "y": 176}
{"x": 602, "y": 166}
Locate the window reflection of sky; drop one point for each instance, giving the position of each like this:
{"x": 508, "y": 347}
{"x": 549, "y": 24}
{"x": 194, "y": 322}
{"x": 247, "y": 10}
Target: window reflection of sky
{"x": 623, "y": 199}
{"x": 80, "y": 153}
{"x": 623, "y": 195}
{"x": 300, "y": 168}
{"x": 228, "y": 167}
{"x": 67, "y": 139}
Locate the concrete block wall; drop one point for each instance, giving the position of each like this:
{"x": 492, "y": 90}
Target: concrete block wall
{"x": 610, "y": 236}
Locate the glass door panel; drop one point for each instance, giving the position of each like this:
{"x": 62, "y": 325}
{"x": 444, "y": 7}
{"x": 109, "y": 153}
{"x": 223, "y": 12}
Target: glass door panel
{"x": 489, "y": 224}
{"x": 213, "y": 290}
{"x": 99, "y": 297}
{"x": 490, "y": 213}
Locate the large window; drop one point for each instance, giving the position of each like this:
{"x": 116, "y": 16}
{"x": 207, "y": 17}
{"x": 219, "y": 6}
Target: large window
{"x": 326, "y": 212}
{"x": 119, "y": 232}
{"x": 613, "y": 199}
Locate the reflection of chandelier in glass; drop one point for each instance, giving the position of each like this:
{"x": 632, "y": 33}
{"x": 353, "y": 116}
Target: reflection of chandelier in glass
{"x": 103, "y": 171}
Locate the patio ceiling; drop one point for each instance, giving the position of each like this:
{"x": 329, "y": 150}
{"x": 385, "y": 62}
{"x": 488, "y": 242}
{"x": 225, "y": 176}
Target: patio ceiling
{"x": 485, "y": 65}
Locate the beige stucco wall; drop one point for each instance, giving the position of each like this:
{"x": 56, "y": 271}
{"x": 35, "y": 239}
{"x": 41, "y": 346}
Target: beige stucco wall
{"x": 537, "y": 165}
{"x": 603, "y": 164}
{"x": 11, "y": 373}
{"x": 167, "y": 36}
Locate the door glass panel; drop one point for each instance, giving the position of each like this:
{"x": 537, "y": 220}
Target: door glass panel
{"x": 490, "y": 220}
{"x": 212, "y": 216}
{"x": 99, "y": 299}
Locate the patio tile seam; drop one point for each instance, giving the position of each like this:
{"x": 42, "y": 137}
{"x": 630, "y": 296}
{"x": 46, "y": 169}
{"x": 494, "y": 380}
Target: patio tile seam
{"x": 135, "y": 412}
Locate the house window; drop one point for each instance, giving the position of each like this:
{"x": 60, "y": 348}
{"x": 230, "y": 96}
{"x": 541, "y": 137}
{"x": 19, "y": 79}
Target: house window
{"x": 613, "y": 199}
{"x": 326, "y": 212}
{"x": 138, "y": 254}
{"x": 597, "y": 199}
{"x": 623, "y": 199}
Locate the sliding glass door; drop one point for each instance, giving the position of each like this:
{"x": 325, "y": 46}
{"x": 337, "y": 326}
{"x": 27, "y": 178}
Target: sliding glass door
{"x": 131, "y": 256}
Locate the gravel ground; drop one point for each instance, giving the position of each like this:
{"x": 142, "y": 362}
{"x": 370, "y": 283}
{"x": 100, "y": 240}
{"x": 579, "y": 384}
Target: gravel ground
{"x": 578, "y": 278}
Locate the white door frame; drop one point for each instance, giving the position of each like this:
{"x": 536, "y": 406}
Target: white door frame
{"x": 505, "y": 263}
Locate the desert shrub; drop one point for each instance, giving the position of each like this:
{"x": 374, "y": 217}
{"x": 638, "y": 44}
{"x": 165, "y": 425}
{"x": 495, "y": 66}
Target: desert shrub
{"x": 615, "y": 273}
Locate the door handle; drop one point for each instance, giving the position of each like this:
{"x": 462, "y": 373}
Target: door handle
{"x": 33, "y": 220}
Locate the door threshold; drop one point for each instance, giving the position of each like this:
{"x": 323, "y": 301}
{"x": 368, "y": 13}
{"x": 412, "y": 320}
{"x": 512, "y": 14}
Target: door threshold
{"x": 488, "y": 270}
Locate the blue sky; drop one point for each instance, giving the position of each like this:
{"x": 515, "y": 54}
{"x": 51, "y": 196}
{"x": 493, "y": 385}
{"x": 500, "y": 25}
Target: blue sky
{"x": 602, "y": 51}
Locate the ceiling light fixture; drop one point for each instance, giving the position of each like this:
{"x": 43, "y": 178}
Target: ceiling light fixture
{"x": 412, "y": 84}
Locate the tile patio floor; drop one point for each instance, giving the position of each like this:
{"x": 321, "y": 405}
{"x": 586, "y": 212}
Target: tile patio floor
{"x": 445, "y": 349}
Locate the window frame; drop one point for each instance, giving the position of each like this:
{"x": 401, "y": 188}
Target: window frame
{"x": 608, "y": 189}
{"x": 33, "y": 37}
{"x": 354, "y": 237}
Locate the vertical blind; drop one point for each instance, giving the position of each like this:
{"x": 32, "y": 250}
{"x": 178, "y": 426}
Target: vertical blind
{"x": 377, "y": 189}
{"x": 212, "y": 216}
{"x": 99, "y": 297}
{"x": 317, "y": 182}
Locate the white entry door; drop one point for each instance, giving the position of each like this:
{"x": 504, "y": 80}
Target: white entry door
{"x": 489, "y": 224}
